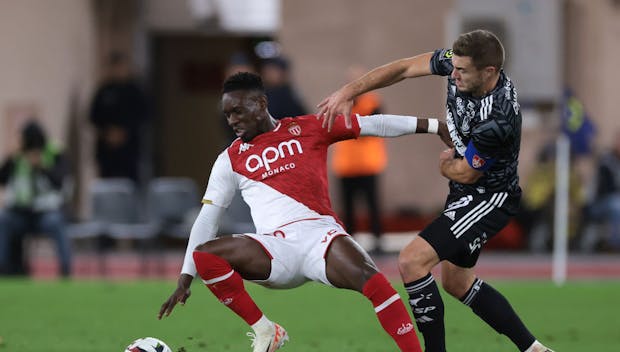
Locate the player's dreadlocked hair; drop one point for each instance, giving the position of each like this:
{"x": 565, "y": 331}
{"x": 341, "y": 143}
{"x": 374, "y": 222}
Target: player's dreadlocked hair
{"x": 243, "y": 81}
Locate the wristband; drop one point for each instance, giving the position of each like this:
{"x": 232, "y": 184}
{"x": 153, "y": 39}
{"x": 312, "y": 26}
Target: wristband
{"x": 433, "y": 126}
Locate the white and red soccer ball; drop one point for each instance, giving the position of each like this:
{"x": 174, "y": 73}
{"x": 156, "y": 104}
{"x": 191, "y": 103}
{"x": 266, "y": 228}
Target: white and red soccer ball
{"x": 148, "y": 344}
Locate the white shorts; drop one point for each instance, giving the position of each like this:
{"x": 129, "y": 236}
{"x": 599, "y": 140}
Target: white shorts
{"x": 298, "y": 251}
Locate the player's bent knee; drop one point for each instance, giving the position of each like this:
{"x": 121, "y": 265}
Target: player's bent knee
{"x": 415, "y": 261}
{"x": 352, "y": 278}
{"x": 411, "y": 266}
{"x": 366, "y": 274}
{"x": 209, "y": 248}
{"x": 201, "y": 247}
{"x": 217, "y": 246}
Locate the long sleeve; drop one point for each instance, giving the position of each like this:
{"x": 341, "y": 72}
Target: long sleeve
{"x": 204, "y": 229}
{"x": 384, "y": 125}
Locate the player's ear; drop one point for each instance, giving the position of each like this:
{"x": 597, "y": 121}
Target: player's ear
{"x": 263, "y": 110}
{"x": 262, "y": 102}
{"x": 490, "y": 71}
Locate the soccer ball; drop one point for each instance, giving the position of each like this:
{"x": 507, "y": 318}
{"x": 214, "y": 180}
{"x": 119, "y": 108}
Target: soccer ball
{"x": 148, "y": 344}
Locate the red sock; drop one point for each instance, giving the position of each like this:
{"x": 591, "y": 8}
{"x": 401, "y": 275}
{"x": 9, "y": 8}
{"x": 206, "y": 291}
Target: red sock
{"x": 227, "y": 285}
{"x": 392, "y": 313}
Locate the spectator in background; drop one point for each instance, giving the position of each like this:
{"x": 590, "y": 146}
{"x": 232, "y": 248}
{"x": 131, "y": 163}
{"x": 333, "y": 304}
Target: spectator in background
{"x": 358, "y": 164}
{"x": 33, "y": 180}
{"x": 118, "y": 111}
{"x": 238, "y": 62}
{"x": 538, "y": 203}
{"x": 283, "y": 99}
{"x": 606, "y": 204}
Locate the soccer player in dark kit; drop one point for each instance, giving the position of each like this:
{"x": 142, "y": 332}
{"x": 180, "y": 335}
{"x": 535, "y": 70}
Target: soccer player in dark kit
{"x": 484, "y": 121}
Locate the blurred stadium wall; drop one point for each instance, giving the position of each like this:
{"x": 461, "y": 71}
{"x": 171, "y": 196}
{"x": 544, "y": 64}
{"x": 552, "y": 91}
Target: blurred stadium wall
{"x": 51, "y": 51}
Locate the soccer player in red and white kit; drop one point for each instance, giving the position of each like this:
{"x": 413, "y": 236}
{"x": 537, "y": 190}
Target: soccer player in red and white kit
{"x": 280, "y": 169}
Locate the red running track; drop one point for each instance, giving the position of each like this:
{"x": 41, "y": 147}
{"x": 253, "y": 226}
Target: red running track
{"x": 492, "y": 265}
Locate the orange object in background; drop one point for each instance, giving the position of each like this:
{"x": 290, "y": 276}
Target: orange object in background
{"x": 365, "y": 155}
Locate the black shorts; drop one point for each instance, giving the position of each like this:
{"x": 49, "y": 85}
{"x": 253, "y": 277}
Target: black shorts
{"x": 467, "y": 223}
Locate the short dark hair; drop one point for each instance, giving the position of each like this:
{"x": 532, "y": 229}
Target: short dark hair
{"x": 482, "y": 46}
{"x": 243, "y": 81}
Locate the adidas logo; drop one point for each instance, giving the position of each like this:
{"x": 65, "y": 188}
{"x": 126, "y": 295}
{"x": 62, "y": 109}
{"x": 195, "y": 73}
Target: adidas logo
{"x": 405, "y": 328}
{"x": 424, "y": 319}
{"x": 450, "y": 214}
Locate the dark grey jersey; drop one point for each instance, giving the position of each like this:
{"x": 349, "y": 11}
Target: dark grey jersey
{"x": 492, "y": 123}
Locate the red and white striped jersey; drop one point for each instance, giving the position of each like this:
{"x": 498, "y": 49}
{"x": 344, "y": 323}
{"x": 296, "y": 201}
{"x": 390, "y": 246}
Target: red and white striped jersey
{"x": 282, "y": 174}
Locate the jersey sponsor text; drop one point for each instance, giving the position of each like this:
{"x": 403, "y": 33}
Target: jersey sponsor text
{"x": 272, "y": 154}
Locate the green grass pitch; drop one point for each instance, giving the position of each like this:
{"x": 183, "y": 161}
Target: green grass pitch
{"x": 92, "y": 316}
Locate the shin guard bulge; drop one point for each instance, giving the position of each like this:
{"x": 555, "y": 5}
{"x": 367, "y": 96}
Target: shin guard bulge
{"x": 227, "y": 285}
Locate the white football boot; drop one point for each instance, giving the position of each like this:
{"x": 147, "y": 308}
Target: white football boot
{"x": 538, "y": 347}
{"x": 269, "y": 341}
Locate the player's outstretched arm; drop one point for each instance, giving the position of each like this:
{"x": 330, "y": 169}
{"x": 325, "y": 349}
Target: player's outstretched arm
{"x": 203, "y": 230}
{"x": 444, "y": 134}
{"x": 341, "y": 101}
{"x": 437, "y": 127}
{"x": 383, "y": 125}
{"x": 180, "y": 295}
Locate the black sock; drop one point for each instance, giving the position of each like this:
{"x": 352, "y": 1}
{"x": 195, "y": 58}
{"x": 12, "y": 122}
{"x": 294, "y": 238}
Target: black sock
{"x": 427, "y": 307}
{"x": 495, "y": 310}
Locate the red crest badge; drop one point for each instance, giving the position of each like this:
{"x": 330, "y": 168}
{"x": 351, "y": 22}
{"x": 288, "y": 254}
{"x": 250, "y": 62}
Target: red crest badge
{"x": 477, "y": 162}
{"x": 294, "y": 129}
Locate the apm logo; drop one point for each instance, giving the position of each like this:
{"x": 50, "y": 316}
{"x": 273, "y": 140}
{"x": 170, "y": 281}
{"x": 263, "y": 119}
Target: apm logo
{"x": 270, "y": 155}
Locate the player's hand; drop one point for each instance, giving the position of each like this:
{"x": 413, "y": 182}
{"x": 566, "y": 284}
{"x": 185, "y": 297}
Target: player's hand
{"x": 339, "y": 103}
{"x": 180, "y": 295}
{"x": 444, "y": 134}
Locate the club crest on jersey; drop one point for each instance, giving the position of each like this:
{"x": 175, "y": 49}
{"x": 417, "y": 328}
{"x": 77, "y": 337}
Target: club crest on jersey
{"x": 294, "y": 129}
{"x": 477, "y": 162}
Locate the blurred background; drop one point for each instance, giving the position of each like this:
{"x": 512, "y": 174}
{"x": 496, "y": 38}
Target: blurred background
{"x": 68, "y": 64}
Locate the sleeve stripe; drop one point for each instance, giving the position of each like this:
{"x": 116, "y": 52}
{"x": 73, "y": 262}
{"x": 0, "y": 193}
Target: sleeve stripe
{"x": 486, "y": 107}
{"x": 207, "y": 201}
